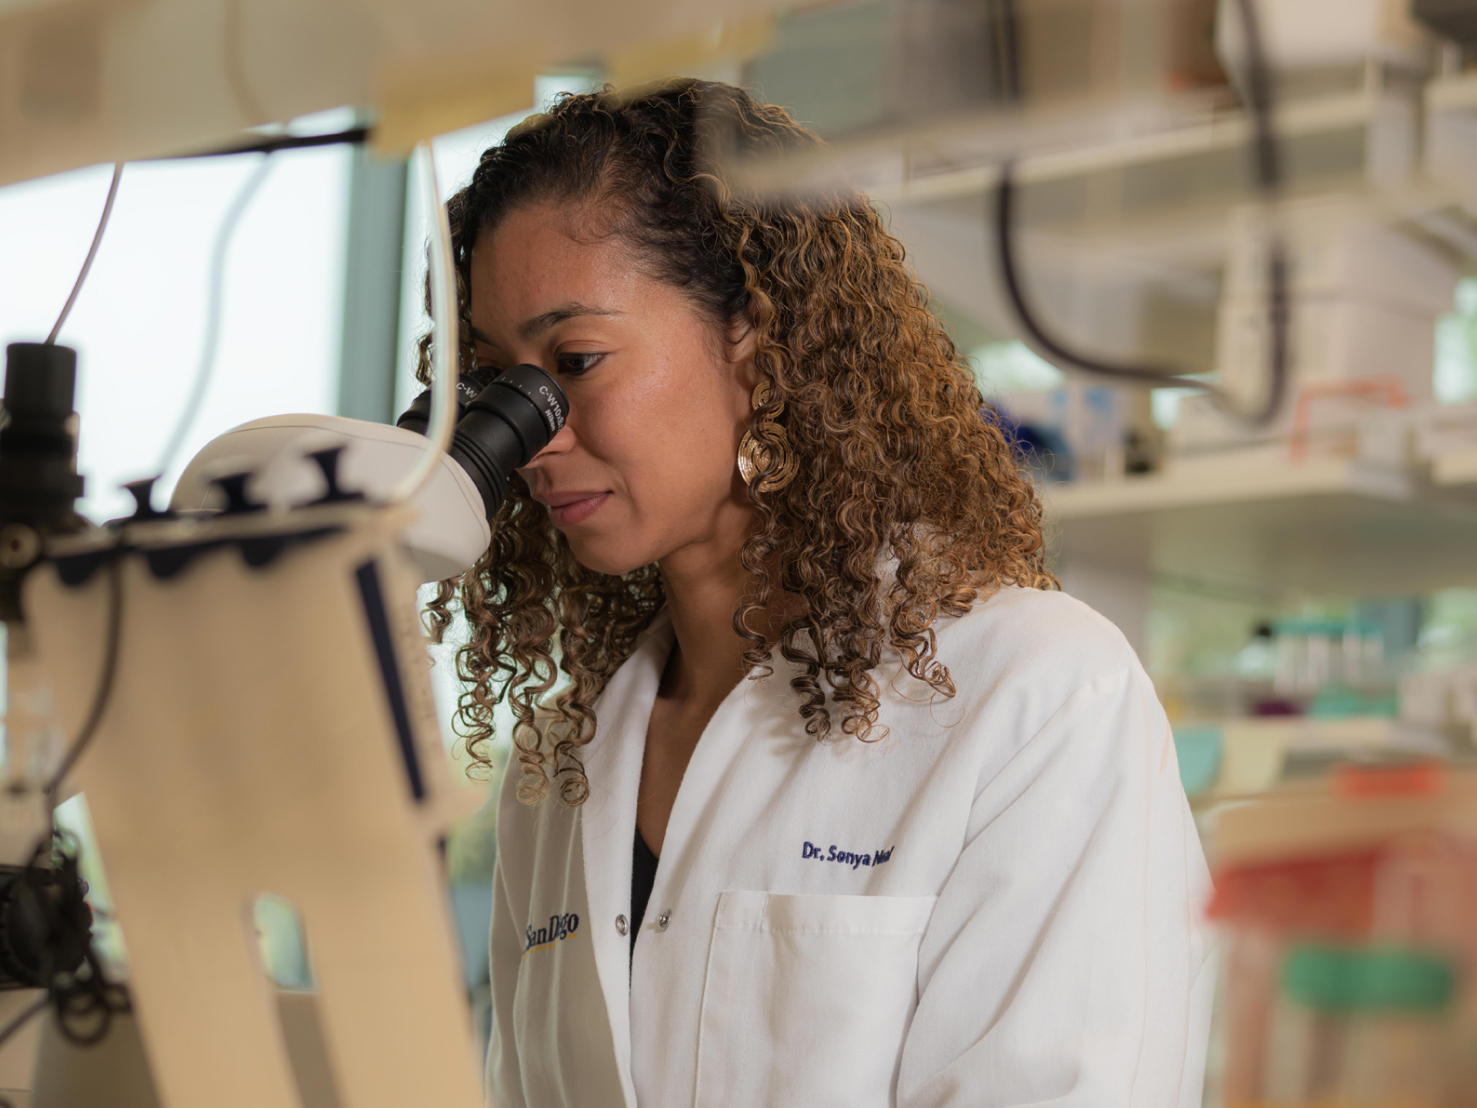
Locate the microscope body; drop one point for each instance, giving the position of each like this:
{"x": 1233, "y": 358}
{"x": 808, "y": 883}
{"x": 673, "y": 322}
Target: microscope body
{"x": 270, "y": 730}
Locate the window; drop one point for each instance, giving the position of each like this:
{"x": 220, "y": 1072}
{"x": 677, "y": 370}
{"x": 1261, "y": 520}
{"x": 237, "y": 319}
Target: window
{"x": 140, "y": 321}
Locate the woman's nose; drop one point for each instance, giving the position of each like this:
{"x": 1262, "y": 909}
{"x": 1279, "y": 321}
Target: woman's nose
{"x": 561, "y": 443}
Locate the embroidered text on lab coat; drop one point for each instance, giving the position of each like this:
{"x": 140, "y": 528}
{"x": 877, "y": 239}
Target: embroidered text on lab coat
{"x": 845, "y": 857}
{"x": 558, "y": 927}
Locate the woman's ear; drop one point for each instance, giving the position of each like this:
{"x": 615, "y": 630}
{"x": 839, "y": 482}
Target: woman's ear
{"x": 743, "y": 342}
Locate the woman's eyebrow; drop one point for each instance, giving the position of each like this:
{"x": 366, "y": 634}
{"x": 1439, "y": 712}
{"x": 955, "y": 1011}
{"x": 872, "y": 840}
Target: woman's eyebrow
{"x": 540, "y": 323}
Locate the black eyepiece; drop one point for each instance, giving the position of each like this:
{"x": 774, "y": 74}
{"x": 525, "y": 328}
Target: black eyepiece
{"x": 500, "y": 427}
{"x": 38, "y": 481}
{"x": 38, "y": 469}
{"x": 417, "y": 417}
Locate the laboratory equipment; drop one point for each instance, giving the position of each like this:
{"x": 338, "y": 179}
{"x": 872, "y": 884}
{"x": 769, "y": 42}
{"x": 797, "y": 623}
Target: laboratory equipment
{"x": 258, "y": 624}
{"x": 282, "y": 460}
{"x": 267, "y": 662}
{"x": 1348, "y": 952}
{"x": 451, "y": 531}
{"x": 501, "y": 427}
{"x": 271, "y": 591}
{"x": 38, "y": 485}
{"x": 1316, "y": 656}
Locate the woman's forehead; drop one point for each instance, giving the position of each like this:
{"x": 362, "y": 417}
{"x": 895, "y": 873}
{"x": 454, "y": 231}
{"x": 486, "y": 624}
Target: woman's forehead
{"x": 531, "y": 259}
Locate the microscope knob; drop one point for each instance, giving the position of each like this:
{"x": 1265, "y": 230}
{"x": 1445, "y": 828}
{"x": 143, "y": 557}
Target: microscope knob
{"x": 234, "y": 486}
{"x": 143, "y": 500}
{"x": 328, "y": 462}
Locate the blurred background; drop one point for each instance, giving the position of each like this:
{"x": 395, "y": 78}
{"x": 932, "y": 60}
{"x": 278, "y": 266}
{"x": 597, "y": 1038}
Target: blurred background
{"x": 1302, "y": 586}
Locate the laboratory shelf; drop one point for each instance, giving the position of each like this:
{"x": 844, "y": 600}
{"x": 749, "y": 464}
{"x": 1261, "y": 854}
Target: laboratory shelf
{"x": 1202, "y": 483}
{"x": 1214, "y": 129}
{"x": 1305, "y": 818}
{"x": 1330, "y": 527}
{"x": 1231, "y": 763}
{"x": 1256, "y": 752}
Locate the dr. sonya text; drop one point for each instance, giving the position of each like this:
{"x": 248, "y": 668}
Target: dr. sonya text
{"x": 845, "y": 857}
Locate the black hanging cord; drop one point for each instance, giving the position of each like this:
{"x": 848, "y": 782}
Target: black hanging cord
{"x": 270, "y": 144}
{"x": 1007, "y": 53}
{"x": 24, "y": 1017}
{"x": 103, "y": 691}
{"x": 1269, "y": 178}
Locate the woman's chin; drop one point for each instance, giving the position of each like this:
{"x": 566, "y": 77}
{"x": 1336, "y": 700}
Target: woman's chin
{"x": 604, "y": 556}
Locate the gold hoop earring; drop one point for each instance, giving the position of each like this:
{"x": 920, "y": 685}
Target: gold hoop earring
{"x": 767, "y": 453}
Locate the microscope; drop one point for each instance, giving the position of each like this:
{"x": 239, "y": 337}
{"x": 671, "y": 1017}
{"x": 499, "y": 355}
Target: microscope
{"x": 243, "y": 674}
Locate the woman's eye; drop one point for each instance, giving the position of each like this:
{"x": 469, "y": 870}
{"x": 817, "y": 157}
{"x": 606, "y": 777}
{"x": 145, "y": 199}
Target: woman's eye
{"x": 572, "y": 365}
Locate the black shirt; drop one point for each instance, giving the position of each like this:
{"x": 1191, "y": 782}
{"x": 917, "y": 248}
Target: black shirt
{"x": 643, "y": 876}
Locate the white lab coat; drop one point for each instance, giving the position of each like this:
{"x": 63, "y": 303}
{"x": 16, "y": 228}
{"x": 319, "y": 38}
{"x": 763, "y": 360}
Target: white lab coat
{"x": 999, "y": 904}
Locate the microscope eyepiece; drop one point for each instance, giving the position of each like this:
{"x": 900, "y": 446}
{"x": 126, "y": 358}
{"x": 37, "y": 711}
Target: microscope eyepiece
{"x": 417, "y": 417}
{"x": 500, "y": 427}
{"x": 38, "y": 478}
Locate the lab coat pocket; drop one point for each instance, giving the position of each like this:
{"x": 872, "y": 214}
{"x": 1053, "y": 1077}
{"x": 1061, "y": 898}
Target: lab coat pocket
{"x": 807, "y": 999}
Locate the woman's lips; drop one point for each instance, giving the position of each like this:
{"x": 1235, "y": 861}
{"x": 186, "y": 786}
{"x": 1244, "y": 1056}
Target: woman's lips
{"x": 571, "y": 512}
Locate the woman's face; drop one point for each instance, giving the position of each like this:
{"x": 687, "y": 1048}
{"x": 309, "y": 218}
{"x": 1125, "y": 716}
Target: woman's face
{"x": 644, "y": 469}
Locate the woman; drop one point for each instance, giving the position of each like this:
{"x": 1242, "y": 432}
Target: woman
{"x": 824, "y": 797}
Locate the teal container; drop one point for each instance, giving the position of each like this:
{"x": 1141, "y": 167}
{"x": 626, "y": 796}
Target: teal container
{"x": 1381, "y": 979}
{"x": 1199, "y": 748}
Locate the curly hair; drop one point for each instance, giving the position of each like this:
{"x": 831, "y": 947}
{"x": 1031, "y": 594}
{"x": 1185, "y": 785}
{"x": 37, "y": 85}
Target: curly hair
{"x": 911, "y": 504}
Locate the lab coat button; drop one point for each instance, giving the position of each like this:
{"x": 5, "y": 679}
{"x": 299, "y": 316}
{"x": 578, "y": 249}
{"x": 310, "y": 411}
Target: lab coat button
{"x": 620, "y": 925}
{"x": 663, "y": 919}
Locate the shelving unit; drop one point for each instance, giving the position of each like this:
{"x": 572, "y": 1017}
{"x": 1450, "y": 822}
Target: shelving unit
{"x": 1206, "y": 483}
{"x": 1197, "y": 133}
{"x": 1323, "y": 527}
{"x": 1125, "y": 230}
{"x": 1252, "y": 755}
